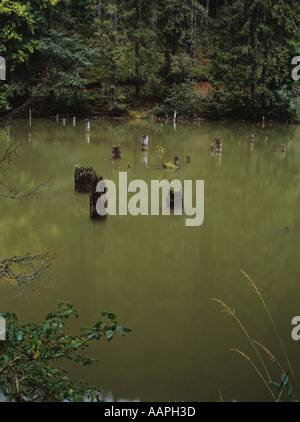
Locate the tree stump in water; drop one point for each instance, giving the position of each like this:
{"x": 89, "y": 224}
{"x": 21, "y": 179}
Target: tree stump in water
{"x": 84, "y": 178}
{"x": 94, "y": 197}
{"x": 145, "y": 143}
{"x": 218, "y": 145}
{"x": 174, "y": 199}
{"x": 116, "y": 151}
{"x": 176, "y": 160}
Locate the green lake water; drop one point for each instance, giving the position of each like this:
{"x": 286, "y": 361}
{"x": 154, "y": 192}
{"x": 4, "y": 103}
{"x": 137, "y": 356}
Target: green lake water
{"x": 156, "y": 274}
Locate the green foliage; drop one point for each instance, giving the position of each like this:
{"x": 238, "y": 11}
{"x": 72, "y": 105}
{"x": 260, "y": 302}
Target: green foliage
{"x": 6, "y": 94}
{"x": 284, "y": 386}
{"x": 31, "y": 354}
{"x": 161, "y": 152}
{"x": 81, "y": 54}
{"x": 182, "y": 98}
{"x": 69, "y": 59}
{"x": 250, "y": 68}
{"x": 17, "y": 44}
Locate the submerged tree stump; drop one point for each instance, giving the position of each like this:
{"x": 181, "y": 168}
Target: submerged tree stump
{"x": 174, "y": 199}
{"x": 116, "y": 151}
{"x": 176, "y": 160}
{"x": 283, "y": 148}
{"x": 218, "y": 145}
{"x": 145, "y": 143}
{"x": 94, "y": 196}
{"x": 84, "y": 178}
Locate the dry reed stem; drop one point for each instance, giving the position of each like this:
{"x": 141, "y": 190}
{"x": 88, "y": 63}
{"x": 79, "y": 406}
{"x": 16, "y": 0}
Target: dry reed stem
{"x": 270, "y": 356}
{"x": 226, "y": 308}
{"x": 220, "y": 397}
{"x": 231, "y": 312}
{"x": 256, "y": 369}
{"x": 252, "y": 284}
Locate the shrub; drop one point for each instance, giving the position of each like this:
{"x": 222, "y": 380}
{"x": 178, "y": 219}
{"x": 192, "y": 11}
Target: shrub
{"x": 182, "y": 98}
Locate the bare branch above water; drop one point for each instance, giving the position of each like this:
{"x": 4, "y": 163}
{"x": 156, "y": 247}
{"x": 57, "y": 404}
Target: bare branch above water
{"x": 6, "y": 191}
{"x": 18, "y": 195}
{"x": 11, "y": 268}
{"x": 8, "y": 157}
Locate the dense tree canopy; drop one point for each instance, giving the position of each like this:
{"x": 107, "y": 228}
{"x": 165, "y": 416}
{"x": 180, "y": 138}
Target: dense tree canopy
{"x": 111, "y": 56}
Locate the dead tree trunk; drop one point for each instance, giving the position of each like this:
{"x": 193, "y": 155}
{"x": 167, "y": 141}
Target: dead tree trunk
{"x": 84, "y": 177}
{"x": 94, "y": 197}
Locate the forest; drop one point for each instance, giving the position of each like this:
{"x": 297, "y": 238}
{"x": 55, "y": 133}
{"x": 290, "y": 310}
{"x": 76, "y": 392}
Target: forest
{"x": 215, "y": 59}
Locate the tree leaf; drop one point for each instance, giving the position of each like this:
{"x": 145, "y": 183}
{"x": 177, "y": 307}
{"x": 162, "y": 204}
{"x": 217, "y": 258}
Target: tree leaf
{"x": 121, "y": 330}
{"x": 109, "y": 335}
{"x": 19, "y": 335}
{"x": 36, "y": 355}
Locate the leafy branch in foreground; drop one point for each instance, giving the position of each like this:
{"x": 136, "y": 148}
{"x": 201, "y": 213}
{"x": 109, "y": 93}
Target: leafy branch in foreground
{"x": 276, "y": 389}
{"x": 30, "y": 355}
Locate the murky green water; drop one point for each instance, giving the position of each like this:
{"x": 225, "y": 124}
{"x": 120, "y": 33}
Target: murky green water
{"x": 158, "y": 275}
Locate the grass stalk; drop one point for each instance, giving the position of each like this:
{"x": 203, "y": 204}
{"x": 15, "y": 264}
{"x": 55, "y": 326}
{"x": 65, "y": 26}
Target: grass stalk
{"x": 257, "y": 371}
{"x": 252, "y": 284}
{"x": 230, "y": 312}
